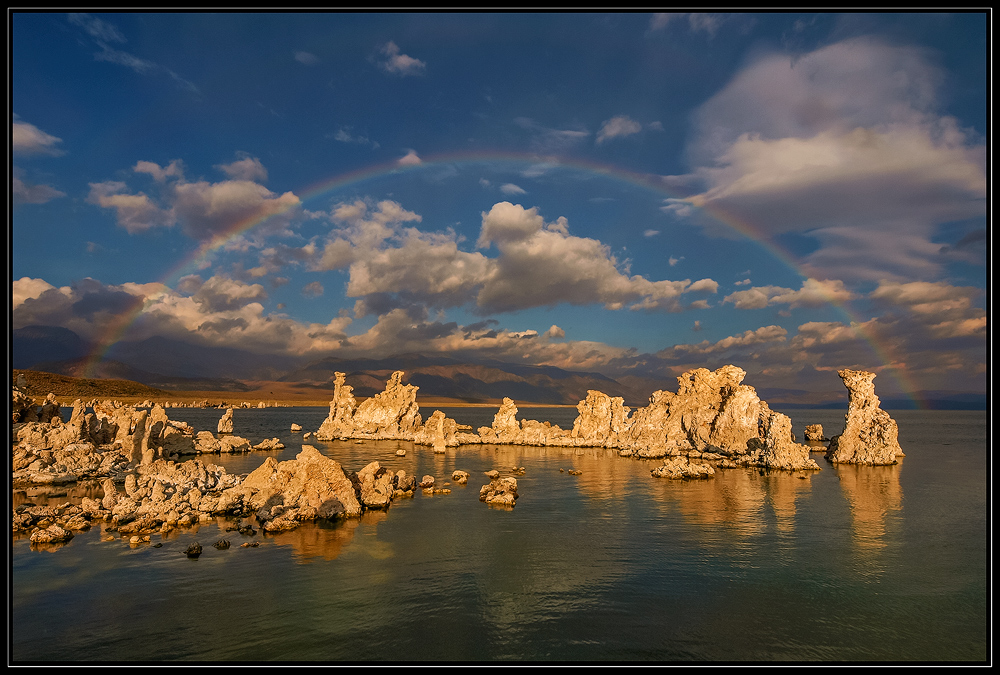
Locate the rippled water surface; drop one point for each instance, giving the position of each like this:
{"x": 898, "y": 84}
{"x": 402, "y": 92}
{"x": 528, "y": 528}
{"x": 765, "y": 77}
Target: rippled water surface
{"x": 844, "y": 564}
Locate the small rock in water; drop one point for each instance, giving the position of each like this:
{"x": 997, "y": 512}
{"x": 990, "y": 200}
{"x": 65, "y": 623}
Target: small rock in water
{"x": 427, "y": 482}
{"x": 492, "y": 473}
{"x": 250, "y": 544}
{"x": 574, "y": 472}
{"x": 193, "y": 551}
{"x": 400, "y": 453}
{"x": 222, "y": 544}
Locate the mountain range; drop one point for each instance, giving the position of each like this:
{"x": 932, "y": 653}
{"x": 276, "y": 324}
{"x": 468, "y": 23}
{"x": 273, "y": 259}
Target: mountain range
{"x": 173, "y": 365}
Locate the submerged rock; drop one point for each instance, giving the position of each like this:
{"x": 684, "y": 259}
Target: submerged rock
{"x": 870, "y": 435}
{"x": 53, "y": 534}
{"x": 499, "y": 492}
{"x": 678, "y": 468}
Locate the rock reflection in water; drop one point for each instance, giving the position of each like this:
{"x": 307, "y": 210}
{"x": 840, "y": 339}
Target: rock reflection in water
{"x": 315, "y": 542}
{"x": 874, "y": 494}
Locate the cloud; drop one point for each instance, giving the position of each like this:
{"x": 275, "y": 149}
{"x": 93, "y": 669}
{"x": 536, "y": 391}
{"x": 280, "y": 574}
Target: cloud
{"x": 546, "y": 140}
{"x": 843, "y": 144}
{"x": 541, "y": 264}
{"x": 27, "y": 139}
{"x": 27, "y": 288}
{"x": 111, "y": 55}
{"x": 96, "y": 28}
{"x": 937, "y": 299}
{"x": 24, "y": 193}
{"x": 313, "y": 289}
{"x": 537, "y": 263}
{"x": 401, "y": 64}
{"x": 204, "y": 210}
{"x": 653, "y": 233}
{"x": 618, "y": 127}
{"x": 344, "y": 135}
{"x": 555, "y": 332}
{"x": 174, "y": 170}
{"x": 698, "y": 22}
{"x": 813, "y": 293}
{"x": 222, "y": 312}
{"x": 136, "y": 213}
{"x": 306, "y": 58}
{"x": 220, "y": 294}
{"x": 409, "y": 159}
{"x": 103, "y": 32}
{"x": 246, "y": 169}
{"x": 511, "y": 189}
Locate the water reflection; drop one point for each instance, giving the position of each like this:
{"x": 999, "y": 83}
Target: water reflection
{"x": 326, "y": 541}
{"x": 874, "y": 494}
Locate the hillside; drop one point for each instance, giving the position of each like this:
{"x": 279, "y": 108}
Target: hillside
{"x": 40, "y": 384}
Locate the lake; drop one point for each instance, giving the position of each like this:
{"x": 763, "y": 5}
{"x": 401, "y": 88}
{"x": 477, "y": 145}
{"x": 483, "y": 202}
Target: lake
{"x": 846, "y": 564}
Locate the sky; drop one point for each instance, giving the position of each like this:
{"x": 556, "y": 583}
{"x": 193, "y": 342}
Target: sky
{"x": 631, "y": 194}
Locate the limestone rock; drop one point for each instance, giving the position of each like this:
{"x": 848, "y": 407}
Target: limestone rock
{"x": 774, "y": 449}
{"x": 234, "y": 444}
{"x": 460, "y": 477}
{"x": 50, "y": 410}
{"x": 438, "y": 432}
{"x": 339, "y": 422}
{"x": 226, "y": 423}
{"x": 375, "y": 486}
{"x": 870, "y": 435}
{"x": 312, "y": 483}
{"x": 296, "y": 427}
{"x": 206, "y": 442}
{"x": 22, "y": 406}
{"x": 270, "y": 444}
{"x": 53, "y": 534}
{"x": 682, "y": 467}
{"x": 499, "y": 492}
{"x": 505, "y": 425}
{"x": 814, "y": 432}
{"x": 601, "y": 419}
{"x": 404, "y": 483}
{"x": 391, "y": 414}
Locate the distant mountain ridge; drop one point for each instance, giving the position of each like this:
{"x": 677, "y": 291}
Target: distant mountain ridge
{"x": 173, "y": 365}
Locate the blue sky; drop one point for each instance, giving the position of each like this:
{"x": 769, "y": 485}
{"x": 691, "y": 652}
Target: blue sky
{"x": 636, "y": 194}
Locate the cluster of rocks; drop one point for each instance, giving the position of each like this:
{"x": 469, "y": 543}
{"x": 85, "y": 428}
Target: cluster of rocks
{"x": 712, "y": 416}
{"x": 164, "y": 495}
{"x": 104, "y": 442}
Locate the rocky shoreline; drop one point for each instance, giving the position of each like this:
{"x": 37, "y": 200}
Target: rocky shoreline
{"x": 712, "y": 422}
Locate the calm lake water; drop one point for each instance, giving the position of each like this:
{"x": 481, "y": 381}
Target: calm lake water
{"x": 847, "y": 564}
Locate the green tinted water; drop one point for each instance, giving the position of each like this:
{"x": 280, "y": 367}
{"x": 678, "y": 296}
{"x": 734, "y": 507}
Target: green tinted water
{"x": 845, "y": 564}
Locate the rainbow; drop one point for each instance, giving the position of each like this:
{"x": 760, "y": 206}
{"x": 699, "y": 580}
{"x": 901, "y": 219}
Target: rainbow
{"x": 201, "y": 256}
